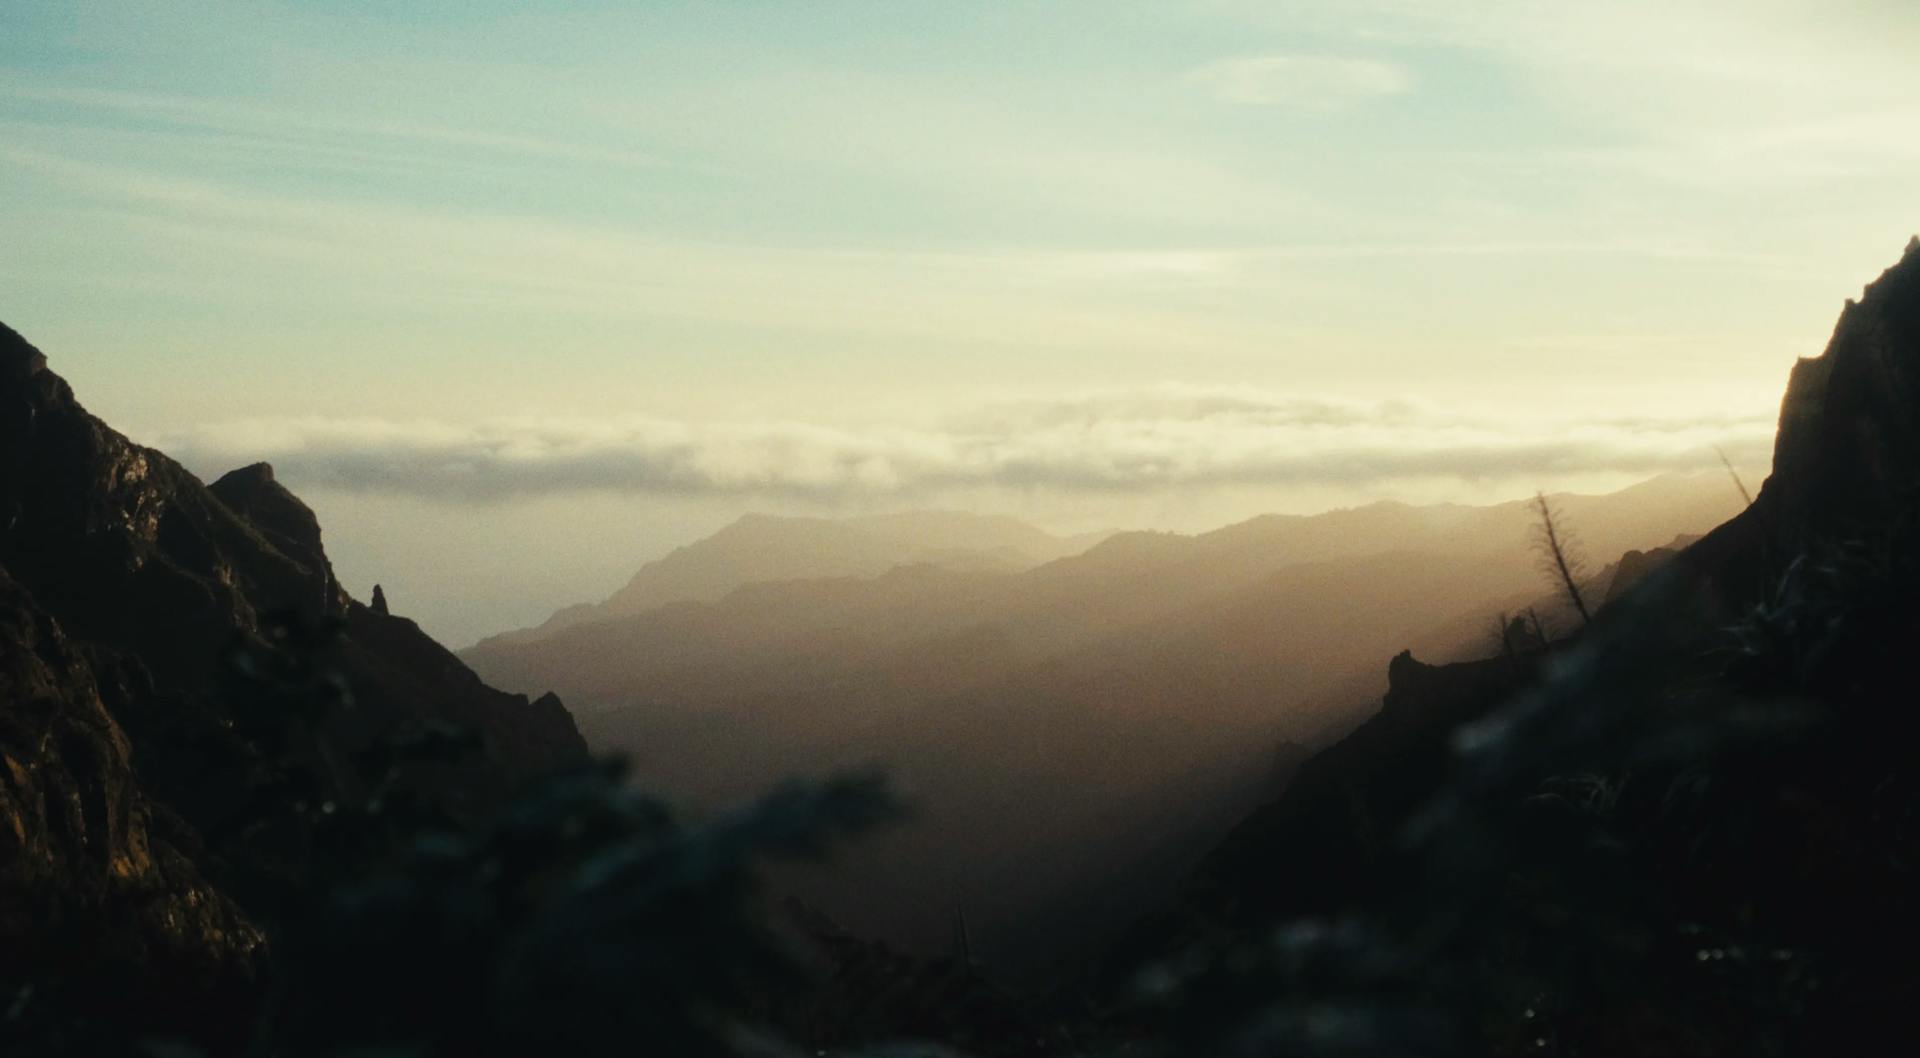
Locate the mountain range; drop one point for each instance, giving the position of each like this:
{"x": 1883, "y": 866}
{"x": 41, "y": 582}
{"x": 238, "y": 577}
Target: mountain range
{"x": 1149, "y": 688}
{"x": 760, "y": 548}
{"x": 1205, "y": 789}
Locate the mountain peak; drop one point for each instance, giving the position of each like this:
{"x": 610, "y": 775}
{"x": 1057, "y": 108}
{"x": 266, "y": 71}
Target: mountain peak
{"x": 18, "y": 357}
{"x": 1901, "y": 279}
{"x": 1847, "y": 447}
{"x": 277, "y": 514}
{"x": 252, "y": 476}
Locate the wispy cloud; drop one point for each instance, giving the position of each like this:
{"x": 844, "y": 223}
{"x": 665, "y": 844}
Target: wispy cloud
{"x": 1302, "y": 82}
{"x": 1706, "y": 93}
{"x": 1114, "y": 442}
{"x": 311, "y": 130}
{"x": 1112, "y": 299}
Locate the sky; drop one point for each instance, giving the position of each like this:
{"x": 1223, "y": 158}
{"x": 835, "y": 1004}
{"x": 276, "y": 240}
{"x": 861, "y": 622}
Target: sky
{"x": 521, "y": 295}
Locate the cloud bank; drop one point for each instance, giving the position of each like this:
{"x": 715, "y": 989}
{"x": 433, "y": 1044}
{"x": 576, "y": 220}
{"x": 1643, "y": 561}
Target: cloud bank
{"x": 1114, "y": 443}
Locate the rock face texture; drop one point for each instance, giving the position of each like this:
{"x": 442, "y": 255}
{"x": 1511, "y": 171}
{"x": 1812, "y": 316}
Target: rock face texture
{"x": 99, "y": 888}
{"x": 126, "y": 586}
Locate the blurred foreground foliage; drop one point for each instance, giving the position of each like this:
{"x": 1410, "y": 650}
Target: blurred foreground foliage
{"x": 582, "y": 917}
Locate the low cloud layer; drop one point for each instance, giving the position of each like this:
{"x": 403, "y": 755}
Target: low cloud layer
{"x": 1116, "y": 443}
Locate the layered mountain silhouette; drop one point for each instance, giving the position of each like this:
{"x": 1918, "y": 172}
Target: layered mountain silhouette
{"x": 1687, "y": 827}
{"x": 760, "y": 548}
{"x": 1140, "y": 689}
{"x": 147, "y": 620}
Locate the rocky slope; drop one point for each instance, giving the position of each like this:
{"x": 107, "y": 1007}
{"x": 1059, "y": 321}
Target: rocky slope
{"x": 98, "y": 884}
{"x": 1685, "y": 830}
{"x": 132, "y": 599}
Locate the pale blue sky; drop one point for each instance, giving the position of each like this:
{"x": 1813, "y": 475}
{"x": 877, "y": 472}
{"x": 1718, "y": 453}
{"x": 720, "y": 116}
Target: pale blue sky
{"x": 478, "y": 262}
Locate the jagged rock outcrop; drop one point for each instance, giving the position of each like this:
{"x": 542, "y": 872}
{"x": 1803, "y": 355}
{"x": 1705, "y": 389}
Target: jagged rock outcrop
{"x": 286, "y": 523}
{"x": 133, "y": 554}
{"x": 125, "y": 587}
{"x": 1849, "y": 439}
{"x": 1636, "y": 566}
{"x": 1846, "y": 461}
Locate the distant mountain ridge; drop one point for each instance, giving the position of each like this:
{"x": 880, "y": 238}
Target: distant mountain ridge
{"x": 763, "y": 547}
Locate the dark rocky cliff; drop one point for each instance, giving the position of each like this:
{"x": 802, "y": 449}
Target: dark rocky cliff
{"x": 1685, "y": 830}
{"x": 1849, "y": 438}
{"x": 1846, "y": 461}
{"x": 127, "y": 588}
{"x": 98, "y": 884}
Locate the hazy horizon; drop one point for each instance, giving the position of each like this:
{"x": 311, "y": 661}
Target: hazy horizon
{"x": 520, "y": 301}
{"x": 453, "y": 609}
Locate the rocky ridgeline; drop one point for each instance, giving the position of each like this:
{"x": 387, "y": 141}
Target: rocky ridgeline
{"x": 126, "y": 589}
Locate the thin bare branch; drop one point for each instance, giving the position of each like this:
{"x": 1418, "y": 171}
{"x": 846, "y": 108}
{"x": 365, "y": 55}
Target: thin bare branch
{"x": 1734, "y": 474}
{"x": 1557, "y": 555}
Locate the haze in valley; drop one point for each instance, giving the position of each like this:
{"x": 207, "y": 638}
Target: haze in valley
{"x": 1096, "y": 528}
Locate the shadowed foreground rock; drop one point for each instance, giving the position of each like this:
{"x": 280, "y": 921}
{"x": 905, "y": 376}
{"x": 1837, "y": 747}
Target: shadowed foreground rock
{"x": 126, "y": 586}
